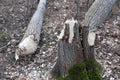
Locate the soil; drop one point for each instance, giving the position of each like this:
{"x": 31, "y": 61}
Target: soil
{"x": 14, "y": 18}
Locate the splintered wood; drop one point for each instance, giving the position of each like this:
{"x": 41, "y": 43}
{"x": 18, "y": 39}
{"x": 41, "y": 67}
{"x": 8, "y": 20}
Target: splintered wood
{"x": 70, "y": 24}
{"x": 69, "y": 46}
{"x": 28, "y": 44}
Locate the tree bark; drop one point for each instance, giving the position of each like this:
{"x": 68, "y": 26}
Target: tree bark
{"x": 98, "y": 12}
{"x": 34, "y": 27}
{"x": 70, "y": 50}
{"x": 93, "y": 18}
{"x": 28, "y": 44}
{"x": 69, "y": 53}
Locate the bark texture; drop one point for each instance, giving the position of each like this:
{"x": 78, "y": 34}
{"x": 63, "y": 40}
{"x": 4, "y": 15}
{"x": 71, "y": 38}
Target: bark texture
{"x": 69, "y": 53}
{"x": 34, "y": 27}
{"x": 93, "y": 18}
{"x": 98, "y": 12}
{"x": 28, "y": 44}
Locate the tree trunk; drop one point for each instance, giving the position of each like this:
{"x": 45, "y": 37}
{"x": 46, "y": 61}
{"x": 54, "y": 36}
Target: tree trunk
{"x": 31, "y": 37}
{"x": 98, "y": 12}
{"x": 93, "y": 18}
{"x": 69, "y": 50}
{"x": 34, "y": 27}
{"x": 69, "y": 47}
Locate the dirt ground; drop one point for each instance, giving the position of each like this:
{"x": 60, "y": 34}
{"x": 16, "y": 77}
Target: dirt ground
{"x": 14, "y": 18}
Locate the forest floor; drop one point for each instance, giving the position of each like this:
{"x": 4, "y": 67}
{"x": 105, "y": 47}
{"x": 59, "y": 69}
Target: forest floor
{"x": 14, "y": 18}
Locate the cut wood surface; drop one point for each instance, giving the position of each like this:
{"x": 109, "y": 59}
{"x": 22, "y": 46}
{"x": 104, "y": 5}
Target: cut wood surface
{"x": 94, "y": 17}
{"x": 28, "y": 44}
{"x": 69, "y": 51}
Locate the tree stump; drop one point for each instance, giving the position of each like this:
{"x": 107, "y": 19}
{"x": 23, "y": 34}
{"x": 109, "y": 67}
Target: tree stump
{"x": 69, "y": 47}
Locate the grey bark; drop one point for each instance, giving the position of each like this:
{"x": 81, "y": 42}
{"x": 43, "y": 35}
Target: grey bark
{"x": 98, "y": 12}
{"x": 69, "y": 53}
{"x": 28, "y": 44}
{"x": 93, "y": 18}
{"x": 34, "y": 27}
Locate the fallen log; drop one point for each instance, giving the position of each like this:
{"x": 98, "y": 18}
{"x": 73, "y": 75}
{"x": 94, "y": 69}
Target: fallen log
{"x": 94, "y": 17}
{"x": 28, "y": 44}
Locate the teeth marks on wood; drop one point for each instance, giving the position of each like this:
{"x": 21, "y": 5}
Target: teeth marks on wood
{"x": 69, "y": 49}
{"x": 91, "y": 38}
{"x": 67, "y": 34}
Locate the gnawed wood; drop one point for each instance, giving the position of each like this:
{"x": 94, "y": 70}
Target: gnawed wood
{"x": 71, "y": 23}
{"x": 91, "y": 38}
{"x": 87, "y": 49}
{"x": 93, "y": 18}
{"x": 69, "y": 53}
{"x": 26, "y": 47}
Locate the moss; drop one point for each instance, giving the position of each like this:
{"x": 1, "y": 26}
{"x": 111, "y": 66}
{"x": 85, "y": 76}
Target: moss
{"x": 93, "y": 69}
{"x": 87, "y": 70}
{"x": 60, "y": 77}
{"x": 76, "y": 72}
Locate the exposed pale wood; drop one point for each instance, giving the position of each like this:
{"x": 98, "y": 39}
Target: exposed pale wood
{"x": 88, "y": 50}
{"x": 93, "y": 18}
{"x": 69, "y": 53}
{"x": 28, "y": 44}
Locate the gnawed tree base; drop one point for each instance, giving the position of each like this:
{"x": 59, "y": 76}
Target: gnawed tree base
{"x": 69, "y": 47}
{"x": 88, "y": 50}
{"x": 94, "y": 18}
